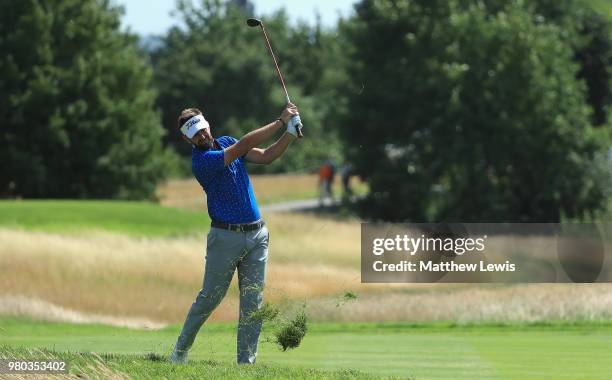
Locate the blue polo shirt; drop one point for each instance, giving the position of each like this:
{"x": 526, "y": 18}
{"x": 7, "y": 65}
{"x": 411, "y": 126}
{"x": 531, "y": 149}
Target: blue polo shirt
{"x": 228, "y": 189}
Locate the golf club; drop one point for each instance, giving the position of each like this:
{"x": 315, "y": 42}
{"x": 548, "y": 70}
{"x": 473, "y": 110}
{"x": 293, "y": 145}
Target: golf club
{"x": 253, "y": 22}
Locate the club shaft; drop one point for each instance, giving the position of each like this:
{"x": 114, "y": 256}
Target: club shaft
{"x": 280, "y": 75}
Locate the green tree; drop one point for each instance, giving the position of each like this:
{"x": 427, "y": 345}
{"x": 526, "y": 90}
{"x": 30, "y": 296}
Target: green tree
{"x": 77, "y": 112}
{"x": 216, "y": 63}
{"x": 457, "y": 113}
{"x": 588, "y": 33}
{"x": 595, "y": 57}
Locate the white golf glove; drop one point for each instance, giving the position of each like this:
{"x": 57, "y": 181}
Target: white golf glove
{"x": 293, "y": 124}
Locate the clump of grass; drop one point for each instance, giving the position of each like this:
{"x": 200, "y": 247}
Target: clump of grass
{"x": 348, "y": 296}
{"x": 154, "y": 357}
{"x": 291, "y": 333}
{"x": 266, "y": 313}
{"x": 288, "y": 333}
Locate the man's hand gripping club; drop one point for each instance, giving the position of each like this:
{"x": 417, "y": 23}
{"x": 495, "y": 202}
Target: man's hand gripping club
{"x": 289, "y": 117}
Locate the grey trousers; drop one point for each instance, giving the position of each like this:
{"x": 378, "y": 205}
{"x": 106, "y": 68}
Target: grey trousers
{"x": 227, "y": 251}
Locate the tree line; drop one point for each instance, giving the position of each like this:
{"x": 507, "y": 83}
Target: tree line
{"x": 451, "y": 110}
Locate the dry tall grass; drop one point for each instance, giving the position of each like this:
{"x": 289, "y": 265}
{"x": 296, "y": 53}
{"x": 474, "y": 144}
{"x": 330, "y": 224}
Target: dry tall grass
{"x": 477, "y": 303}
{"x": 93, "y": 368}
{"x": 115, "y": 279}
{"x": 101, "y": 275}
{"x": 46, "y": 311}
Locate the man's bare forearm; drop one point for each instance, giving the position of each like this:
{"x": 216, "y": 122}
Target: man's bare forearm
{"x": 251, "y": 140}
{"x": 260, "y": 135}
{"x": 277, "y": 149}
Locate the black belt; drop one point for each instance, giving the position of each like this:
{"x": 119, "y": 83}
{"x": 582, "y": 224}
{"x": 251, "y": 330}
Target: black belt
{"x": 238, "y": 227}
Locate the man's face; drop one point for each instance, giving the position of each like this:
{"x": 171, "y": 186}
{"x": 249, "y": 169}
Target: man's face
{"x": 203, "y": 139}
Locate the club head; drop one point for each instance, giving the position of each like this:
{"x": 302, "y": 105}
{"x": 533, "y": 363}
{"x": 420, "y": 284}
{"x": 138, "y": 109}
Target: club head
{"x": 252, "y": 22}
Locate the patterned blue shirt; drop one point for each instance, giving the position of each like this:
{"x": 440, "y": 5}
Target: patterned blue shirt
{"x": 228, "y": 189}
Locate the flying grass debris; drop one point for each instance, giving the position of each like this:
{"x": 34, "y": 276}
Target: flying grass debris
{"x": 291, "y": 333}
{"x": 348, "y": 296}
{"x": 288, "y": 332}
{"x": 266, "y": 313}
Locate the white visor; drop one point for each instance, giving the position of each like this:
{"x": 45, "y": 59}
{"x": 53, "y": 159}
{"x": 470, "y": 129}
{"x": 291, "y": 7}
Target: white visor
{"x": 193, "y": 125}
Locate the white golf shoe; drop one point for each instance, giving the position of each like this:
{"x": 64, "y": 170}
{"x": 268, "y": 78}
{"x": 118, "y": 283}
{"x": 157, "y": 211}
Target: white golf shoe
{"x": 178, "y": 357}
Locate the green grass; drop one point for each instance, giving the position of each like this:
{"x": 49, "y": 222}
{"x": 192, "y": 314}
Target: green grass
{"x": 552, "y": 351}
{"x": 152, "y": 366}
{"x": 133, "y": 218}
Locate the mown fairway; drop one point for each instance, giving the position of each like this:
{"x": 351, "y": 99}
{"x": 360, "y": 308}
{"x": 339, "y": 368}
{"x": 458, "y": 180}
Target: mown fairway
{"x": 132, "y": 218}
{"x": 555, "y": 351}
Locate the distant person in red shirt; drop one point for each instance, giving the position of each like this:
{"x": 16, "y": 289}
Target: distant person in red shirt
{"x": 326, "y": 180}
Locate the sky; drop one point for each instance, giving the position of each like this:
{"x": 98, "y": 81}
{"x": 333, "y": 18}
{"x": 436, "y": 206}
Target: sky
{"x": 153, "y": 16}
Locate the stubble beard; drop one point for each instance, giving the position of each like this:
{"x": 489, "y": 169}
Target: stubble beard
{"x": 204, "y": 145}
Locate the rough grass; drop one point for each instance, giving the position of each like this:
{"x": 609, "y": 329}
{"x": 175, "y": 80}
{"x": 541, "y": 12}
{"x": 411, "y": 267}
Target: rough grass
{"x": 157, "y": 278}
{"x": 475, "y": 304}
{"x": 85, "y": 276}
{"x": 147, "y": 282}
{"x": 145, "y": 279}
{"x": 155, "y": 366}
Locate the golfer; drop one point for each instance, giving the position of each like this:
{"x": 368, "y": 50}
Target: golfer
{"x": 238, "y": 238}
